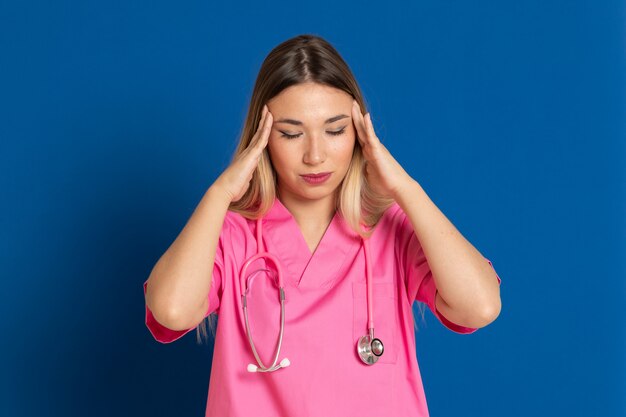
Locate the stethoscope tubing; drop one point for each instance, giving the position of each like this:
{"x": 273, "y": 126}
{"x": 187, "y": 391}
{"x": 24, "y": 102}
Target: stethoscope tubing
{"x": 261, "y": 253}
{"x": 262, "y": 367}
{"x": 246, "y": 282}
{"x": 370, "y": 307}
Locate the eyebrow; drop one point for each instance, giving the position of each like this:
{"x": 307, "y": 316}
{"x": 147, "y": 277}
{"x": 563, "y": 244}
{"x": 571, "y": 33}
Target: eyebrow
{"x": 299, "y": 123}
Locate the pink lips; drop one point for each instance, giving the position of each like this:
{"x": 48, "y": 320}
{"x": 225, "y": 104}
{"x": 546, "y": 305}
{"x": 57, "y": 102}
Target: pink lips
{"x": 316, "y": 178}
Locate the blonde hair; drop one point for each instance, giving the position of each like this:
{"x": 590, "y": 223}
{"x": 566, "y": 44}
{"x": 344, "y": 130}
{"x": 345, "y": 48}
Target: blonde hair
{"x": 305, "y": 58}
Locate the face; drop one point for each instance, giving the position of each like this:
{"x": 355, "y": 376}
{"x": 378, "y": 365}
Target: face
{"x": 312, "y": 133}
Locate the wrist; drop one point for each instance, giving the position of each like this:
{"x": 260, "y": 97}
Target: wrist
{"x": 218, "y": 191}
{"x": 406, "y": 188}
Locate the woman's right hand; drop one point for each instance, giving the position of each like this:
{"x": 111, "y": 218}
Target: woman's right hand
{"x": 235, "y": 179}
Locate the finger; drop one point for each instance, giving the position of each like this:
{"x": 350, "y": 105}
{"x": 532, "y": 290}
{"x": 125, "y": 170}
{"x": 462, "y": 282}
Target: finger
{"x": 370, "y": 128}
{"x": 358, "y": 123}
{"x": 259, "y": 131}
{"x": 264, "y": 112}
{"x": 264, "y": 134}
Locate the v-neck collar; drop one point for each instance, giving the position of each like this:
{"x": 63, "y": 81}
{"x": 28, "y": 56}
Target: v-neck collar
{"x": 302, "y": 269}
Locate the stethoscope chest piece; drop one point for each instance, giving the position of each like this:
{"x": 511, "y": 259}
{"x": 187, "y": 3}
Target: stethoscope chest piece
{"x": 369, "y": 349}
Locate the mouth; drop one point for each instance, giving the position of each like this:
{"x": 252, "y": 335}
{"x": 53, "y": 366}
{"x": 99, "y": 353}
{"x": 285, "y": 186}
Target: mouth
{"x": 319, "y": 175}
{"x": 318, "y": 178}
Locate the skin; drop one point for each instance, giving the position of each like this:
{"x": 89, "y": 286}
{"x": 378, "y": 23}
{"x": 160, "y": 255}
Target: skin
{"x": 468, "y": 291}
{"x": 314, "y": 150}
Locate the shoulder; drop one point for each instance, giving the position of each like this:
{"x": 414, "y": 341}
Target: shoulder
{"x": 238, "y": 229}
{"x": 392, "y": 221}
{"x": 393, "y": 217}
{"x": 236, "y": 237}
{"x": 235, "y": 223}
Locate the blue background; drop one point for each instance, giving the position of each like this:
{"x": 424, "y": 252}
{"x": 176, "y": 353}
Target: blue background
{"x": 116, "y": 116}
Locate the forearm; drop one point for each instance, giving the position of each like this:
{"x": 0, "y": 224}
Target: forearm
{"x": 179, "y": 283}
{"x": 464, "y": 279}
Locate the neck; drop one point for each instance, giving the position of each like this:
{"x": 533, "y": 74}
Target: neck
{"x": 309, "y": 214}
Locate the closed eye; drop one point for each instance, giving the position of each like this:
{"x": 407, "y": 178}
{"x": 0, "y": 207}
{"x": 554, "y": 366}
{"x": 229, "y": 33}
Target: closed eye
{"x": 333, "y": 133}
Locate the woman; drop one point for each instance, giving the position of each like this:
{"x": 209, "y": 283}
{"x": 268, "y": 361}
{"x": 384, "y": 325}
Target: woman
{"x": 339, "y": 349}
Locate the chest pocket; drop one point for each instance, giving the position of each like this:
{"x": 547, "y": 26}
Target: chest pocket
{"x": 385, "y": 305}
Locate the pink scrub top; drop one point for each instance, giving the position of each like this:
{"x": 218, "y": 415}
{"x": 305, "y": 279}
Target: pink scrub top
{"x": 325, "y": 314}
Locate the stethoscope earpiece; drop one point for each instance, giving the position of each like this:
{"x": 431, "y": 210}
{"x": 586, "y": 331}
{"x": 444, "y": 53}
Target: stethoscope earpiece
{"x": 283, "y": 364}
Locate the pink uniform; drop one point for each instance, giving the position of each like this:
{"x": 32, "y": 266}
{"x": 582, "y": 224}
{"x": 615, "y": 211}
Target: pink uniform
{"x": 325, "y": 314}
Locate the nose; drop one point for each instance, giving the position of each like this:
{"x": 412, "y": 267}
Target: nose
{"x": 314, "y": 153}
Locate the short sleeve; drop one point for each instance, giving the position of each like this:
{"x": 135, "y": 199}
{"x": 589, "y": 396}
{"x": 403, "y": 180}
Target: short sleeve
{"x": 165, "y": 335}
{"x": 418, "y": 276}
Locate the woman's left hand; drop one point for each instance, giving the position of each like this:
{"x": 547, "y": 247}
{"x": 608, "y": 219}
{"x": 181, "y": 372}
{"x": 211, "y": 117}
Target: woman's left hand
{"x": 384, "y": 174}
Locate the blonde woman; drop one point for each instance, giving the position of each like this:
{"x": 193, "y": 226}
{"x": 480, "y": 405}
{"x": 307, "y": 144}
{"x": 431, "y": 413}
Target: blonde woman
{"x": 311, "y": 247}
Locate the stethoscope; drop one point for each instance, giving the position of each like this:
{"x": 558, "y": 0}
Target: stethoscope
{"x": 368, "y": 347}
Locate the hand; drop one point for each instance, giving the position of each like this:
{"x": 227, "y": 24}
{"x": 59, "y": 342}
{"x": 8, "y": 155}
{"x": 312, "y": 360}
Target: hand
{"x": 384, "y": 174}
{"x": 235, "y": 179}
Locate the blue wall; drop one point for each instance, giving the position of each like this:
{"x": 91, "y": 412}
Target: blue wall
{"x": 116, "y": 116}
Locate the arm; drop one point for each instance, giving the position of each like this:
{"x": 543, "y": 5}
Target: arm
{"x": 468, "y": 291}
{"x": 178, "y": 286}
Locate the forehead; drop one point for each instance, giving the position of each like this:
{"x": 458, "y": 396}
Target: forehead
{"x": 310, "y": 102}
